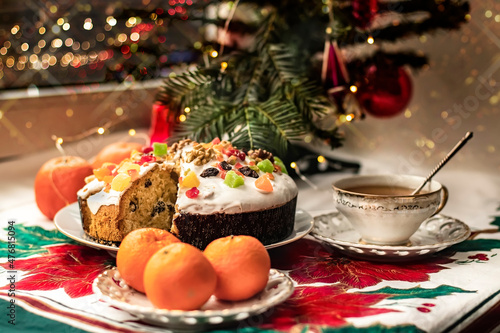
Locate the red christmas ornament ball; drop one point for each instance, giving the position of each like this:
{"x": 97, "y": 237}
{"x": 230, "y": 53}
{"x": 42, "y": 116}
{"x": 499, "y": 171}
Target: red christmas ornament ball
{"x": 386, "y": 91}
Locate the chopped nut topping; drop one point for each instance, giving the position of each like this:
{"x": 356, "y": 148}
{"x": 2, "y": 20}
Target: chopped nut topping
{"x": 200, "y": 155}
{"x": 232, "y": 160}
{"x": 179, "y": 145}
{"x": 225, "y": 144}
{"x": 260, "y": 155}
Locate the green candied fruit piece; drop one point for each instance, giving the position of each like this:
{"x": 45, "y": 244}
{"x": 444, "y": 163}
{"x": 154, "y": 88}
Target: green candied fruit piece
{"x": 266, "y": 166}
{"x": 233, "y": 180}
{"x": 280, "y": 163}
{"x": 160, "y": 149}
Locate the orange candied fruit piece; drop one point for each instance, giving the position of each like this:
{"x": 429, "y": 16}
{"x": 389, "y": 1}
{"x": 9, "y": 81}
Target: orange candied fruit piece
{"x": 191, "y": 180}
{"x": 126, "y": 166}
{"x": 101, "y": 173}
{"x": 239, "y": 173}
{"x": 133, "y": 173}
{"x": 121, "y": 182}
{"x": 263, "y": 183}
{"x": 108, "y": 179}
{"x": 110, "y": 166}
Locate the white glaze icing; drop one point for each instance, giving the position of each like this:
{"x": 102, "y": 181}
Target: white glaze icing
{"x": 217, "y": 197}
{"x": 97, "y": 197}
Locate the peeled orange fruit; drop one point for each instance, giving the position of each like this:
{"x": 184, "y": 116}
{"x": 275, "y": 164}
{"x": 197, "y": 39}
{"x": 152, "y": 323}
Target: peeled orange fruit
{"x": 242, "y": 265}
{"x": 136, "y": 249}
{"x": 179, "y": 277}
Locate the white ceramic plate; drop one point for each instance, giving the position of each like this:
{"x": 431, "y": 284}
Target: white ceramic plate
{"x": 435, "y": 234}
{"x": 68, "y": 222}
{"x": 114, "y": 291}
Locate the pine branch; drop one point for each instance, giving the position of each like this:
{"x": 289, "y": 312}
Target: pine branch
{"x": 189, "y": 88}
{"x": 448, "y": 15}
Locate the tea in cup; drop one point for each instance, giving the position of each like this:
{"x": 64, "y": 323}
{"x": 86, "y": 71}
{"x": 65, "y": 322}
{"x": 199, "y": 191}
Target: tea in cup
{"x": 382, "y": 208}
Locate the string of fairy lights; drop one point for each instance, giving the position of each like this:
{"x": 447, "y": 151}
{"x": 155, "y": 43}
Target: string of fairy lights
{"x": 56, "y": 42}
{"x": 63, "y": 38}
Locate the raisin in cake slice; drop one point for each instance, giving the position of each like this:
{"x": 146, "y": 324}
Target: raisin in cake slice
{"x": 139, "y": 192}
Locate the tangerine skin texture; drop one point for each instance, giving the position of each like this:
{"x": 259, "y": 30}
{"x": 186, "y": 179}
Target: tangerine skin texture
{"x": 115, "y": 153}
{"x": 179, "y": 277}
{"x": 136, "y": 249}
{"x": 242, "y": 265}
{"x": 58, "y": 181}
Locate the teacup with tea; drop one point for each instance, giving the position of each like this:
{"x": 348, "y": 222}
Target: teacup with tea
{"x": 383, "y": 209}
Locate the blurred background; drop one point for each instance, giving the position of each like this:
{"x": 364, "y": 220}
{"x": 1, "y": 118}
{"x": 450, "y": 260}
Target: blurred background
{"x": 80, "y": 69}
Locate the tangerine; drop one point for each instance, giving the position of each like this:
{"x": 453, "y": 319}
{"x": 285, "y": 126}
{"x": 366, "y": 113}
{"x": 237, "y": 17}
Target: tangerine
{"x": 179, "y": 277}
{"x": 115, "y": 153}
{"x": 136, "y": 249}
{"x": 242, "y": 265}
{"x": 57, "y": 182}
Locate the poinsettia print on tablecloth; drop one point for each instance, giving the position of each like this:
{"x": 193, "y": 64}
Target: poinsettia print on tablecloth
{"x": 324, "y": 305}
{"x": 43, "y": 266}
{"x": 309, "y": 261}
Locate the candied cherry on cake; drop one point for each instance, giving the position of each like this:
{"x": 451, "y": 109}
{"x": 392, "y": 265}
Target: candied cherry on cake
{"x": 146, "y": 159}
{"x": 147, "y": 150}
{"x": 237, "y": 153}
{"x": 192, "y": 193}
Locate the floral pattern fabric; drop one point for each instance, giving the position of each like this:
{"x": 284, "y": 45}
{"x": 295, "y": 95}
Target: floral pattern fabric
{"x": 332, "y": 291}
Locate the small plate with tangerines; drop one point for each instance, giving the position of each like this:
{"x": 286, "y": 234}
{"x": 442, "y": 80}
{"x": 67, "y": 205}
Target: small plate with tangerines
{"x": 168, "y": 283}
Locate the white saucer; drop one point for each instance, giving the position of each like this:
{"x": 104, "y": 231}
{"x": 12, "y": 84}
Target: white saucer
{"x": 68, "y": 222}
{"x": 114, "y": 291}
{"x": 435, "y": 234}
